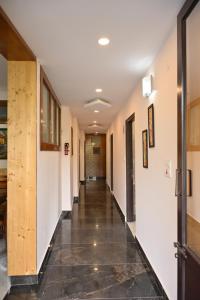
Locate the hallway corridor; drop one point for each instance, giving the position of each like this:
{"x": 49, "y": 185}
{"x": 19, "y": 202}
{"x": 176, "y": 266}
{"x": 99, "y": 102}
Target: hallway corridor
{"x": 94, "y": 256}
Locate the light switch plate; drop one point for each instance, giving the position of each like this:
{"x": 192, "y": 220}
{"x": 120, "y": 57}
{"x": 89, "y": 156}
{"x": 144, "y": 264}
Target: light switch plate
{"x": 168, "y": 169}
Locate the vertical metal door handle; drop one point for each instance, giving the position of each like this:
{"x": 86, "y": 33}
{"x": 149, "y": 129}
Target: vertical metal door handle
{"x": 177, "y": 192}
{"x": 189, "y": 183}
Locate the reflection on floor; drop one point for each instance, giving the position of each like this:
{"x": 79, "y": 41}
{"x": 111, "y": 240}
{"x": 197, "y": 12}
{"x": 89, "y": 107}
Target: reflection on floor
{"x": 193, "y": 234}
{"x": 4, "y": 280}
{"x": 94, "y": 256}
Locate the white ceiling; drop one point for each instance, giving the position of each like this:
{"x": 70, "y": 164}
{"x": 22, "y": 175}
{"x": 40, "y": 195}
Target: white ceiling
{"x": 63, "y": 35}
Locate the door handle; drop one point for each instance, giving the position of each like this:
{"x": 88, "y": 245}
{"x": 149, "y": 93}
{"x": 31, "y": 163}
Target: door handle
{"x": 189, "y": 183}
{"x": 177, "y": 191}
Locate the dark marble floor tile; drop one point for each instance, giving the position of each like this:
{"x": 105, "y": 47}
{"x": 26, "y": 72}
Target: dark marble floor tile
{"x": 132, "y": 298}
{"x": 101, "y": 221}
{"x": 91, "y": 224}
{"x": 84, "y": 254}
{"x": 96, "y": 214}
{"x": 91, "y": 282}
{"x": 77, "y": 236}
{"x": 97, "y": 205}
{"x": 94, "y": 256}
{"x": 23, "y": 293}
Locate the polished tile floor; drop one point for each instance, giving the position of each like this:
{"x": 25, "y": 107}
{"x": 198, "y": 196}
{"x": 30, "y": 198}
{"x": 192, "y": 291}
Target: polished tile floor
{"x": 94, "y": 256}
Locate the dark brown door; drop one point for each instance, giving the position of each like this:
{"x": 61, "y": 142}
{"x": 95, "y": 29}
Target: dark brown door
{"x": 188, "y": 172}
{"x": 95, "y": 145}
{"x": 130, "y": 168}
{"x": 111, "y": 162}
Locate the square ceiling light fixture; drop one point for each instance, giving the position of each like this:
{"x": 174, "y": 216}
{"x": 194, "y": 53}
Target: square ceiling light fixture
{"x": 94, "y": 125}
{"x": 147, "y": 83}
{"x": 97, "y": 104}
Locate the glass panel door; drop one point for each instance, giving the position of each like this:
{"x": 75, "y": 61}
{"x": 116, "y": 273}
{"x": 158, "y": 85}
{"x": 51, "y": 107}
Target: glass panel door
{"x": 193, "y": 130}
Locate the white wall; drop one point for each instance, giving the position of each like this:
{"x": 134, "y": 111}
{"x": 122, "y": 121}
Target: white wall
{"x": 156, "y": 204}
{"x": 66, "y": 160}
{"x": 48, "y": 191}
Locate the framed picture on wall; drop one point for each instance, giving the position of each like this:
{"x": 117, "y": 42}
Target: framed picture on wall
{"x": 3, "y": 143}
{"x": 145, "y": 148}
{"x": 3, "y": 111}
{"x": 151, "y": 126}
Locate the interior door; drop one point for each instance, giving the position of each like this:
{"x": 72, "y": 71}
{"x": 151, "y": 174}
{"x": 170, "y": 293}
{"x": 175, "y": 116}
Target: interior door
{"x": 133, "y": 168}
{"x": 130, "y": 169}
{"x": 111, "y": 162}
{"x": 188, "y": 173}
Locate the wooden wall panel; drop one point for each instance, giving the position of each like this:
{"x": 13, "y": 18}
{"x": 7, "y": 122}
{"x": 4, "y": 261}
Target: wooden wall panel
{"x": 21, "y": 168}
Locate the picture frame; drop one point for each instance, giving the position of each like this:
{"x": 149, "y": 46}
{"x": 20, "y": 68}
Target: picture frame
{"x": 145, "y": 148}
{"x": 3, "y": 143}
{"x": 151, "y": 127}
{"x": 3, "y": 111}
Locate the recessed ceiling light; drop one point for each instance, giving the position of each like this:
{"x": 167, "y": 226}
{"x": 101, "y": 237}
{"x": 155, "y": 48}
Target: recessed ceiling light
{"x": 96, "y": 111}
{"x": 104, "y": 41}
{"x": 99, "y": 90}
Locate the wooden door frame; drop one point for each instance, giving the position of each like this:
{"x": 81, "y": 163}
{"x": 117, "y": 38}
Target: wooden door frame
{"x": 182, "y": 163}
{"x": 129, "y": 167}
{"x": 111, "y": 162}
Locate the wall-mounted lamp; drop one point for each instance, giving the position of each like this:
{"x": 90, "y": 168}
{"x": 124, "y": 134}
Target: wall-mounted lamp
{"x": 147, "y": 86}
